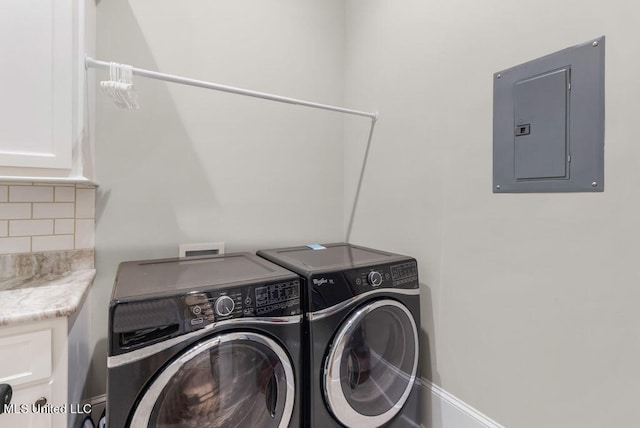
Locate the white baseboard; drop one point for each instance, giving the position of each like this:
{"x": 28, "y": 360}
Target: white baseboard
{"x": 447, "y": 411}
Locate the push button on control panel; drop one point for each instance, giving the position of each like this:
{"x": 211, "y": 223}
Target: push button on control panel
{"x": 200, "y": 308}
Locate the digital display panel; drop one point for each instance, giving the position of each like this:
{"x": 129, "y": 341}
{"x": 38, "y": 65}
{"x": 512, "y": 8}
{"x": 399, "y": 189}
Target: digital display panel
{"x": 277, "y": 293}
{"x": 406, "y": 270}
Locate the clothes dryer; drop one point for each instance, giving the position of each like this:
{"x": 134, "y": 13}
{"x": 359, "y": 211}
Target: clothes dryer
{"x": 206, "y": 342}
{"x": 362, "y": 310}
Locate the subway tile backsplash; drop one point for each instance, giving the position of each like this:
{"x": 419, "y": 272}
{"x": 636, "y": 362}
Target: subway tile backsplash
{"x": 31, "y": 193}
{"x": 30, "y": 227}
{"x": 46, "y": 217}
{"x": 15, "y": 211}
{"x": 55, "y": 210}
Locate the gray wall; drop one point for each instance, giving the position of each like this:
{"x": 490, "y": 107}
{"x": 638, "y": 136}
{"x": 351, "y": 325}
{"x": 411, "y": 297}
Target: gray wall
{"x": 530, "y": 301}
{"x": 200, "y": 166}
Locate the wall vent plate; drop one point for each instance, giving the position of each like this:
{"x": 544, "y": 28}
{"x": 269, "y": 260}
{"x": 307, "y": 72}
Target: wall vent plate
{"x": 201, "y": 249}
{"x": 548, "y": 123}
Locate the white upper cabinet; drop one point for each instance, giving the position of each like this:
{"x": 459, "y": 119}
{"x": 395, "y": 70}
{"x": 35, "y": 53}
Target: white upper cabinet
{"x": 44, "y": 131}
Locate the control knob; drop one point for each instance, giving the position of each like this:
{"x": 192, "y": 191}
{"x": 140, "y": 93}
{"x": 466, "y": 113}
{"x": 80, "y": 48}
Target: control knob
{"x": 224, "y": 306}
{"x": 374, "y": 278}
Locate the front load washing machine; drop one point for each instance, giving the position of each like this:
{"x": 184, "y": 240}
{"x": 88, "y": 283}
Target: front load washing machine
{"x": 204, "y": 342}
{"x": 361, "y": 357}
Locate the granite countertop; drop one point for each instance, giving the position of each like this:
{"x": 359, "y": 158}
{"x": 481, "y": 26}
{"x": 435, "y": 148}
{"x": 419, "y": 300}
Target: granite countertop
{"x": 56, "y": 287}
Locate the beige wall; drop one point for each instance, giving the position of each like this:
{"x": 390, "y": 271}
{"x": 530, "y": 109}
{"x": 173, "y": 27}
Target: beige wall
{"x": 200, "y": 166}
{"x": 529, "y": 301}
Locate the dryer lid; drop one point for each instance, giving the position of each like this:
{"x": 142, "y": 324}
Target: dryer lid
{"x": 308, "y": 259}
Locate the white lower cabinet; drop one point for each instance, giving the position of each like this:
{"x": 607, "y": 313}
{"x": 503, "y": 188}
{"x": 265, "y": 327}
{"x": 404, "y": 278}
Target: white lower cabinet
{"x": 34, "y": 360}
{"x": 21, "y": 411}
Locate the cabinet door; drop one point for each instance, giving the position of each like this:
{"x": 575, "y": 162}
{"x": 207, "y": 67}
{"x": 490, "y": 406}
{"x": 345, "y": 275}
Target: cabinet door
{"x": 22, "y": 413}
{"x": 25, "y": 357}
{"x": 34, "y": 361}
{"x": 36, "y": 83}
{"x": 26, "y": 366}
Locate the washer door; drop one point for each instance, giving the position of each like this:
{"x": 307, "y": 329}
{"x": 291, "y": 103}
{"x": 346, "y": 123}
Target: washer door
{"x": 371, "y": 367}
{"x": 231, "y": 380}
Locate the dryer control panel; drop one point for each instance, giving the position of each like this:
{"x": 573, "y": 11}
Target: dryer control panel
{"x": 330, "y": 288}
{"x": 400, "y": 275}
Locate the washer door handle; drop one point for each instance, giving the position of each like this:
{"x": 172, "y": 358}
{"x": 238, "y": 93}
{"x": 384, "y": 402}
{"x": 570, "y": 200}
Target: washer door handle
{"x": 353, "y": 370}
{"x": 271, "y": 396}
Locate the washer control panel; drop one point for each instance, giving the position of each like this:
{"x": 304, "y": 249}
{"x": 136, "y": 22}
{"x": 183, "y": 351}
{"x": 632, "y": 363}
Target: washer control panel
{"x": 138, "y": 323}
{"x": 404, "y": 275}
{"x": 265, "y": 300}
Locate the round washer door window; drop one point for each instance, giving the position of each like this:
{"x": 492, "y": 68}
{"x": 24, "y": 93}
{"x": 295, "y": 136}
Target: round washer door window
{"x": 229, "y": 381}
{"x": 371, "y": 368}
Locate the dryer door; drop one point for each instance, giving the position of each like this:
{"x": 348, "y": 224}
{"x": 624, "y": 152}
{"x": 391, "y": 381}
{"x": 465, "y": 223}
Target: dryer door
{"x": 371, "y": 366}
{"x": 232, "y": 380}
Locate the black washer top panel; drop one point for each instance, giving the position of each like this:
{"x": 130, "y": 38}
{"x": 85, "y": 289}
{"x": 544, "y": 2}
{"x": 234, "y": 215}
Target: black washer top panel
{"x": 306, "y": 260}
{"x": 169, "y": 277}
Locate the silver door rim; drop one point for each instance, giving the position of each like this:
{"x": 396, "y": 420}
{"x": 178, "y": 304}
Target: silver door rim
{"x": 337, "y": 401}
{"x": 142, "y": 414}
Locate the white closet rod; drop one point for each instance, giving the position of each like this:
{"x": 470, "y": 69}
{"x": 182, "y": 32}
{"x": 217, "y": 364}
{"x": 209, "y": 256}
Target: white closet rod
{"x": 93, "y": 63}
